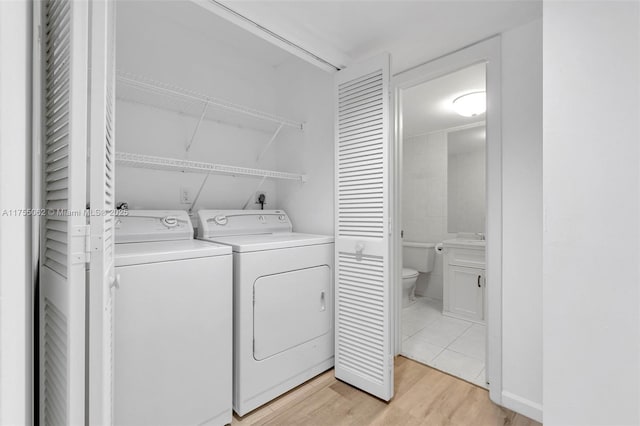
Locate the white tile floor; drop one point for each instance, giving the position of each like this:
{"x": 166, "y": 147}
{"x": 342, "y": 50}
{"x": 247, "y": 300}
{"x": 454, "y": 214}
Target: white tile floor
{"x": 449, "y": 344}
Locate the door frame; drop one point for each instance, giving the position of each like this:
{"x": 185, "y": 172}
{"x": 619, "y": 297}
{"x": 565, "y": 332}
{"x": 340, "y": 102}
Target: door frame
{"x": 486, "y": 51}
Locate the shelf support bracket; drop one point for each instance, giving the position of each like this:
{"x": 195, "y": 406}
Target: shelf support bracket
{"x": 195, "y": 131}
{"x": 195, "y": 200}
{"x": 266, "y": 147}
{"x": 252, "y": 194}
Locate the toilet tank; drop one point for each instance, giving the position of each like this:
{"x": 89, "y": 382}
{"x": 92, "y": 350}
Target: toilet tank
{"x": 419, "y": 256}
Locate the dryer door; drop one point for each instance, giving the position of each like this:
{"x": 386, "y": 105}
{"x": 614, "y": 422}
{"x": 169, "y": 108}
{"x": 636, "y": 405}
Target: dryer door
{"x": 290, "y": 309}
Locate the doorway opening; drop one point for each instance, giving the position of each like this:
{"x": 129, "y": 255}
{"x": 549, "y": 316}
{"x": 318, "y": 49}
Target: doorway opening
{"x": 443, "y": 216}
{"x": 448, "y": 204}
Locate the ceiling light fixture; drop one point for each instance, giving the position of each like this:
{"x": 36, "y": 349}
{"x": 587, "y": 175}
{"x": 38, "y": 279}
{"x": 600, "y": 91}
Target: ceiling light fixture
{"x": 471, "y": 104}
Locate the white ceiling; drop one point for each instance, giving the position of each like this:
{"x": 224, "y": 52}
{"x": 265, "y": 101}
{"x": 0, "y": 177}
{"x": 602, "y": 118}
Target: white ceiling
{"x": 146, "y": 16}
{"x": 428, "y": 107}
{"x": 413, "y": 31}
{"x": 347, "y": 30}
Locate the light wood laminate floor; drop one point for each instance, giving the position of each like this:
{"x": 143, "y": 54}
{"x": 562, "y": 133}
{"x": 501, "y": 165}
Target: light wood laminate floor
{"x": 423, "y": 396}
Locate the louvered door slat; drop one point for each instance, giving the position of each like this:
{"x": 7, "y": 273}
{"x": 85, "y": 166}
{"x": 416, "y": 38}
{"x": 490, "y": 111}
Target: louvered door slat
{"x": 57, "y": 152}
{"x": 353, "y": 140}
{"x": 58, "y": 133}
{"x": 363, "y": 291}
{"x": 62, "y": 271}
{"x": 56, "y": 231}
{"x": 58, "y": 92}
{"x": 363, "y": 149}
{"x": 369, "y": 86}
{"x": 362, "y": 110}
{"x": 347, "y": 87}
{"x": 57, "y": 54}
{"x": 57, "y": 79}
{"x": 59, "y": 163}
{"x": 365, "y": 185}
{"x": 57, "y": 184}
{"x": 364, "y": 164}
{"x": 58, "y": 141}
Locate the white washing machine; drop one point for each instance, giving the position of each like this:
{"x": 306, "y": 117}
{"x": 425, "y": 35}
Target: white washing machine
{"x": 172, "y": 323}
{"x": 282, "y": 300}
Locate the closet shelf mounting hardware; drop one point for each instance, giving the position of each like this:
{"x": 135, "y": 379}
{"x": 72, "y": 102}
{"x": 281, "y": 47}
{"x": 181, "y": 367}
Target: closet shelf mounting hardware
{"x": 266, "y": 147}
{"x": 172, "y": 164}
{"x": 173, "y": 90}
{"x": 195, "y": 200}
{"x": 195, "y": 131}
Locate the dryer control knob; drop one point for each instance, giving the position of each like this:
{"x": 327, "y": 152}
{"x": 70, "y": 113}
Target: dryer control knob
{"x": 220, "y": 220}
{"x": 281, "y": 218}
{"x": 261, "y": 219}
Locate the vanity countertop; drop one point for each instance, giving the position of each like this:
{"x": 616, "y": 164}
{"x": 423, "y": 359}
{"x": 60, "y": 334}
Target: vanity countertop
{"x": 465, "y": 243}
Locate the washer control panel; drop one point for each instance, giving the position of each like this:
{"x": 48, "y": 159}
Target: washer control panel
{"x": 153, "y": 225}
{"x": 216, "y": 223}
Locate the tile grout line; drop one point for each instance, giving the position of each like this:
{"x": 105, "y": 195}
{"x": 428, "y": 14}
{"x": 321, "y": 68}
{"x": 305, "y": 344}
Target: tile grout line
{"x": 462, "y": 353}
{"x": 434, "y": 358}
{"x": 460, "y": 335}
{"x": 415, "y": 315}
{"x": 467, "y": 355}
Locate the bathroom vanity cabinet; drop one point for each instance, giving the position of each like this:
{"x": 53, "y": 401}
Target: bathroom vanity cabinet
{"x": 464, "y": 280}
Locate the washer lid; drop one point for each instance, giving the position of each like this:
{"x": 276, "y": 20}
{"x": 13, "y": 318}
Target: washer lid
{"x": 280, "y": 240}
{"x": 164, "y": 251}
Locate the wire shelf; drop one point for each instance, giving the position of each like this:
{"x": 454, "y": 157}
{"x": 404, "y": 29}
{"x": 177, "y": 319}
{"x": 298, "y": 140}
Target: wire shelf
{"x": 185, "y": 99}
{"x": 171, "y": 164}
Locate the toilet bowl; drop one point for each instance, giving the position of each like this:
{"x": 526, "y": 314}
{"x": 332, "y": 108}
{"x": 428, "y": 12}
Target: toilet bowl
{"x": 416, "y": 258}
{"x": 409, "y": 278}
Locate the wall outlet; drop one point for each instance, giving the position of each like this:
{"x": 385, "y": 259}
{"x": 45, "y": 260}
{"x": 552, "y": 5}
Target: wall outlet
{"x": 258, "y": 194}
{"x": 185, "y": 196}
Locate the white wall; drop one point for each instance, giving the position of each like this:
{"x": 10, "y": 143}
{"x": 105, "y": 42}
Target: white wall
{"x": 309, "y": 94}
{"x": 522, "y": 219}
{"x": 466, "y": 191}
{"x": 16, "y": 301}
{"x": 144, "y": 130}
{"x": 424, "y": 201}
{"x": 424, "y": 187}
{"x": 591, "y": 217}
{"x": 206, "y": 61}
{"x": 153, "y": 42}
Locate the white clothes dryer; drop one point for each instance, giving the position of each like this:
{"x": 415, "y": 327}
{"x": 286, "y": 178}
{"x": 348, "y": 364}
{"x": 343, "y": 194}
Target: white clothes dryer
{"x": 172, "y": 323}
{"x": 283, "y": 302}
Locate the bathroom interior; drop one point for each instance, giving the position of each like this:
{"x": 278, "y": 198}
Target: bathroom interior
{"x": 443, "y": 215}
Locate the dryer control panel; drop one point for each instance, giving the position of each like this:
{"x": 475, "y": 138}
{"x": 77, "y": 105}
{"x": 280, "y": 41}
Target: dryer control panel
{"x": 217, "y": 223}
{"x": 140, "y": 226}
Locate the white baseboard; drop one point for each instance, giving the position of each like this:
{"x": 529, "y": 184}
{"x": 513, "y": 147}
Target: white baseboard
{"x": 522, "y": 406}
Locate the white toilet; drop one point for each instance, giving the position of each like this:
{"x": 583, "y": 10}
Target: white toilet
{"x": 416, "y": 258}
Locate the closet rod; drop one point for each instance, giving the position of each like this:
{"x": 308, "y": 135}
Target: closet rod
{"x": 164, "y": 88}
{"x": 172, "y": 164}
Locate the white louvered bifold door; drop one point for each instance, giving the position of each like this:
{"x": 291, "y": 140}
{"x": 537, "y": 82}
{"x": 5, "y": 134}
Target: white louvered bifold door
{"x": 102, "y": 221}
{"x": 364, "y": 345}
{"x": 64, "y": 35}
